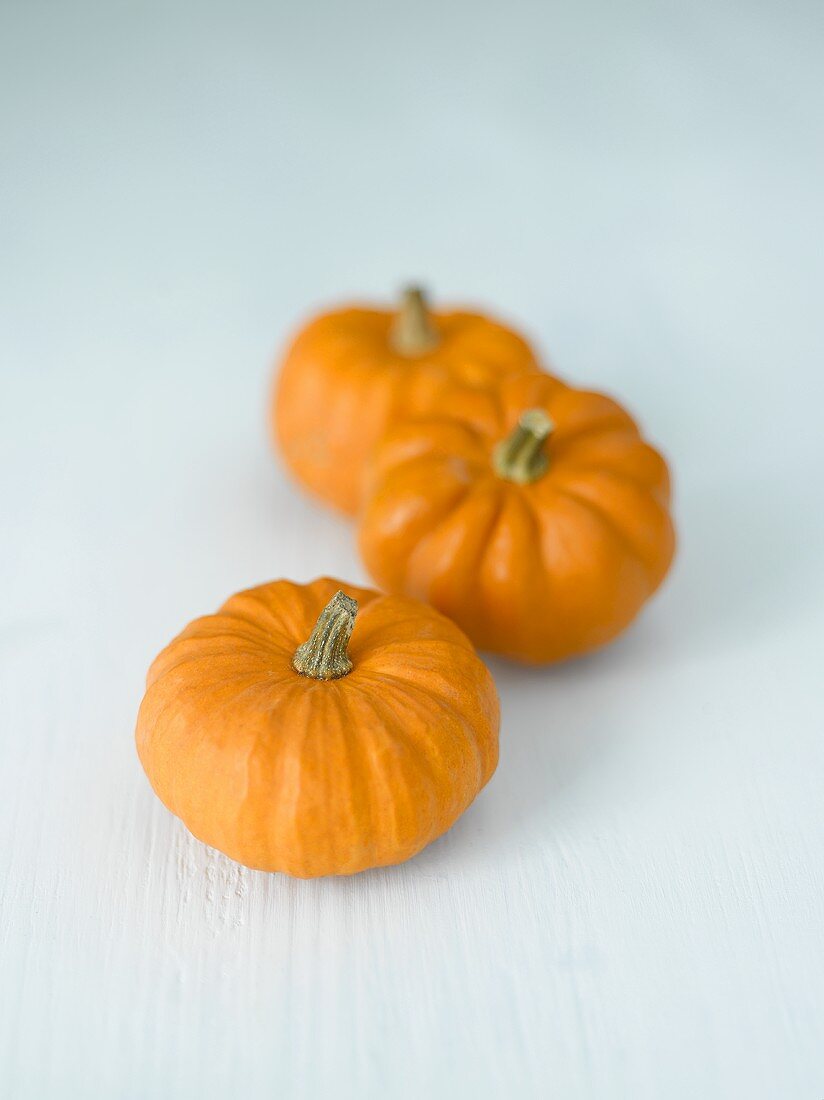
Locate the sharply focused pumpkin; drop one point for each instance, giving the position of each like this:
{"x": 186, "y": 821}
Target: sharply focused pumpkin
{"x": 290, "y": 748}
{"x": 535, "y": 516}
{"x": 351, "y": 372}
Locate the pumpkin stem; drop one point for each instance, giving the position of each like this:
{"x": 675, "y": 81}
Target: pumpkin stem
{"x": 522, "y": 457}
{"x": 412, "y": 331}
{"x": 323, "y": 656}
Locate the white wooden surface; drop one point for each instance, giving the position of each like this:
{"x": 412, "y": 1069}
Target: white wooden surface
{"x": 633, "y": 909}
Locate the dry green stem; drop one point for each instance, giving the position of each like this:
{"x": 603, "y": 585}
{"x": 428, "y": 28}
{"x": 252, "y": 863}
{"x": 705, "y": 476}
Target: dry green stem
{"x": 323, "y": 656}
{"x": 522, "y": 457}
{"x": 413, "y": 332}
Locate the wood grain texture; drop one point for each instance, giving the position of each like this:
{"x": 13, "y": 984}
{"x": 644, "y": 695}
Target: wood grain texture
{"x": 633, "y": 908}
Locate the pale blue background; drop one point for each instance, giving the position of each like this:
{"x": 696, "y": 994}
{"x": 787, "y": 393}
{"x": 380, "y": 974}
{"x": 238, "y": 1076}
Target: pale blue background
{"x": 633, "y": 909}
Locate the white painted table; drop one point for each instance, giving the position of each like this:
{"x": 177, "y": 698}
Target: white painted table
{"x": 633, "y": 909}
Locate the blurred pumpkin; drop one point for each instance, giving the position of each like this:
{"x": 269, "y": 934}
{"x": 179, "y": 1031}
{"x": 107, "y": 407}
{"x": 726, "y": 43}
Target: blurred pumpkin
{"x": 291, "y": 748}
{"x": 534, "y": 515}
{"x": 351, "y": 372}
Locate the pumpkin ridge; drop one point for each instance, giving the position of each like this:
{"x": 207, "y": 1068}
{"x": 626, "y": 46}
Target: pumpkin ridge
{"x": 340, "y": 334}
{"x": 475, "y": 489}
{"x": 161, "y": 668}
{"x": 470, "y": 334}
{"x": 527, "y": 506}
{"x": 287, "y": 750}
{"x": 221, "y": 627}
{"x": 265, "y": 683}
{"x": 614, "y": 426}
{"x": 242, "y": 627}
{"x": 442, "y": 773}
{"x": 258, "y": 639}
{"x": 655, "y": 491}
{"x": 354, "y": 755}
{"x": 435, "y": 771}
{"x": 365, "y": 647}
{"x": 261, "y": 617}
{"x": 539, "y": 535}
{"x": 493, "y": 520}
{"x": 434, "y": 516}
{"x": 438, "y": 459}
{"x": 333, "y": 777}
{"x": 423, "y": 765}
{"x": 427, "y": 444}
{"x": 384, "y": 647}
{"x": 210, "y": 627}
{"x": 264, "y": 678}
{"x": 443, "y": 704}
{"x": 465, "y": 361}
{"x": 608, "y": 521}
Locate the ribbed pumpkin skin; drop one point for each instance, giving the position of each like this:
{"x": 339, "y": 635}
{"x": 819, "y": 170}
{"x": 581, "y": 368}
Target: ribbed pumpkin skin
{"x": 286, "y": 773}
{"x": 341, "y": 384}
{"x": 539, "y": 572}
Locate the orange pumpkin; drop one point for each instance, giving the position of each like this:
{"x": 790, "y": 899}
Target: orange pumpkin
{"x": 291, "y": 748}
{"x": 351, "y": 372}
{"x": 535, "y": 516}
